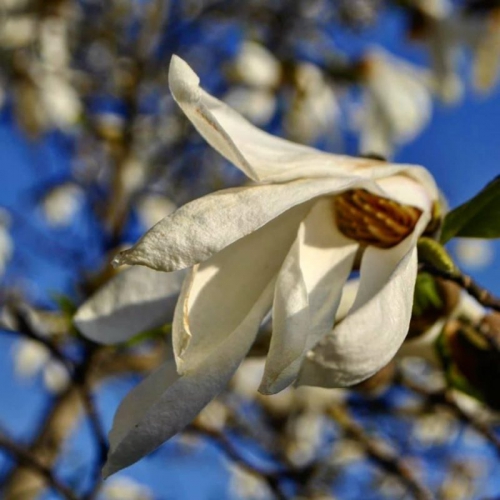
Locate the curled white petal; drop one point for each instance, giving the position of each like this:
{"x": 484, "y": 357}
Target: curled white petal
{"x": 164, "y": 403}
{"x": 135, "y": 300}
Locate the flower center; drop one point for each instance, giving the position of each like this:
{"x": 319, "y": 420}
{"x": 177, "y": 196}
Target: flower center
{"x": 373, "y": 220}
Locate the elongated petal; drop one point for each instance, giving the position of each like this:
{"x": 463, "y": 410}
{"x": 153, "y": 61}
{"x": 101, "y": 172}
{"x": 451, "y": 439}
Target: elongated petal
{"x": 368, "y": 338}
{"x": 205, "y": 226}
{"x": 307, "y": 294}
{"x": 165, "y": 402}
{"x": 135, "y": 300}
{"x": 222, "y": 290}
{"x": 372, "y": 332}
{"x": 259, "y": 155}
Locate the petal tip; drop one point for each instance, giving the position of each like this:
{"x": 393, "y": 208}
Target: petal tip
{"x": 183, "y": 81}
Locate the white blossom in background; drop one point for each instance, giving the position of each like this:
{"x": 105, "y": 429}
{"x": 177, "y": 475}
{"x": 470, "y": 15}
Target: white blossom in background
{"x": 213, "y": 416}
{"x": 29, "y": 358}
{"x": 397, "y": 103}
{"x": 244, "y": 485}
{"x": 154, "y": 207}
{"x": 62, "y": 203}
{"x": 60, "y": 100}
{"x": 346, "y": 451}
{"x": 256, "y": 104}
{"x": 474, "y": 253}
{"x": 17, "y": 31}
{"x": 13, "y": 5}
{"x": 486, "y": 68}
{"x": 55, "y": 376}
{"x": 435, "y": 429}
{"x": 6, "y": 241}
{"x": 32, "y": 358}
{"x": 313, "y": 109}
{"x": 125, "y": 488}
{"x": 256, "y": 66}
{"x": 304, "y": 438}
{"x": 441, "y": 35}
{"x": 288, "y": 243}
{"x": 258, "y": 72}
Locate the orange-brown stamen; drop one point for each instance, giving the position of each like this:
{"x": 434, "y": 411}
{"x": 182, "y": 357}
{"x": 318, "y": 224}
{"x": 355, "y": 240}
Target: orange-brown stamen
{"x": 373, "y": 220}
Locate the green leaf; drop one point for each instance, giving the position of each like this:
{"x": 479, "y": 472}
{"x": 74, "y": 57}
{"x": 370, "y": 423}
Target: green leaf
{"x": 477, "y": 218}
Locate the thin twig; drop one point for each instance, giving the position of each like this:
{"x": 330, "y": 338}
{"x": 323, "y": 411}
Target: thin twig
{"x": 230, "y": 450}
{"x": 482, "y": 295}
{"x": 27, "y": 459}
{"x": 380, "y": 453}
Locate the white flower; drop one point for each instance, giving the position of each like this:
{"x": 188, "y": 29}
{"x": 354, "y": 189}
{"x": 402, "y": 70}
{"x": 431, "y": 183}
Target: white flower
{"x": 474, "y": 253}
{"x": 125, "y": 488}
{"x": 287, "y": 242}
{"x": 153, "y": 207}
{"x": 61, "y": 204}
{"x": 247, "y": 486}
{"x": 256, "y": 66}
{"x": 397, "y": 102}
{"x": 256, "y": 104}
{"x": 314, "y": 108}
{"x": 31, "y": 358}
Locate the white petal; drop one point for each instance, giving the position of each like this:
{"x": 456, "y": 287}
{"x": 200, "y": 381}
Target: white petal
{"x": 371, "y": 334}
{"x": 259, "y": 155}
{"x": 307, "y": 294}
{"x": 205, "y": 226}
{"x": 165, "y": 402}
{"x": 221, "y": 291}
{"x": 368, "y": 338}
{"x": 135, "y": 300}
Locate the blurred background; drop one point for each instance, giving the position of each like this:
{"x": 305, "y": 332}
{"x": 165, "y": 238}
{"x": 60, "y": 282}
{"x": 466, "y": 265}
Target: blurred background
{"x": 94, "y": 152}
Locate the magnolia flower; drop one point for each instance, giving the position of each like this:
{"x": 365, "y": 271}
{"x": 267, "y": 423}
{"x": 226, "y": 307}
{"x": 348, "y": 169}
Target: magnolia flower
{"x": 288, "y": 242}
{"x": 397, "y": 102}
{"x": 32, "y": 358}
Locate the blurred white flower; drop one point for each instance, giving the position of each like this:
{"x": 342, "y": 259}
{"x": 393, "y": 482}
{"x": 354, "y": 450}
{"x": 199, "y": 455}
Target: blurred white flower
{"x": 347, "y": 451}
{"x": 397, "y": 103}
{"x": 256, "y": 66}
{"x": 244, "y": 485}
{"x": 256, "y": 104}
{"x": 125, "y": 488}
{"x": 61, "y": 204}
{"x": 287, "y": 242}
{"x": 474, "y": 253}
{"x": 56, "y": 377}
{"x": 304, "y": 434}
{"x": 487, "y": 51}
{"x": 154, "y": 207}
{"x": 17, "y": 31}
{"x": 436, "y": 428}
{"x": 213, "y": 416}
{"x": 314, "y": 109}
{"x": 10, "y": 5}
{"x": 29, "y": 358}
{"x": 61, "y": 101}
{"x": 32, "y": 358}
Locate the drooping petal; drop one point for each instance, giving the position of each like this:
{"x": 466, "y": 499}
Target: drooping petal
{"x": 390, "y": 177}
{"x": 307, "y": 294}
{"x": 221, "y": 291}
{"x": 368, "y": 338}
{"x": 259, "y": 155}
{"x": 135, "y": 300}
{"x": 205, "y": 226}
{"x": 164, "y": 403}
